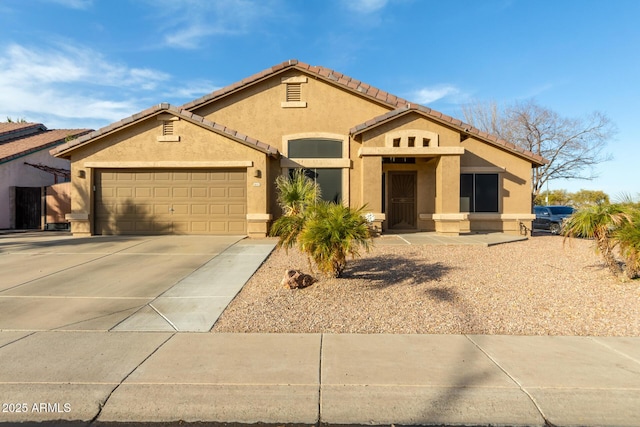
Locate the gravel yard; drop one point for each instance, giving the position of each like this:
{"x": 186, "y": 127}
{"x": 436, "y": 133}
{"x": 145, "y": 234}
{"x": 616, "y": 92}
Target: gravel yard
{"x": 534, "y": 287}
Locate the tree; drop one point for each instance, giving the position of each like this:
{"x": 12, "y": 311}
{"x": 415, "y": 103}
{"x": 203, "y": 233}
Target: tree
{"x": 20, "y": 120}
{"x": 585, "y": 198}
{"x": 573, "y": 146}
{"x": 553, "y": 197}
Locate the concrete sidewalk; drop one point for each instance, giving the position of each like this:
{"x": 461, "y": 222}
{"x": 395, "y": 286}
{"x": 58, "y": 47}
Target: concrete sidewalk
{"x": 101, "y": 377}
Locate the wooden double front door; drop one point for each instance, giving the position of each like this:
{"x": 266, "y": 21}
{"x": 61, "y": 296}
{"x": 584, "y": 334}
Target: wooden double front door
{"x": 402, "y": 212}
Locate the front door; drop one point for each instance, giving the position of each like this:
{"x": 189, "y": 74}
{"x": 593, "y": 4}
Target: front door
{"x": 28, "y": 207}
{"x": 402, "y": 200}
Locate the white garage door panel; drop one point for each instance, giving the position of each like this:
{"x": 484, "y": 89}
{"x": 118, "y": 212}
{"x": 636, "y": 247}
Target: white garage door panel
{"x": 177, "y": 201}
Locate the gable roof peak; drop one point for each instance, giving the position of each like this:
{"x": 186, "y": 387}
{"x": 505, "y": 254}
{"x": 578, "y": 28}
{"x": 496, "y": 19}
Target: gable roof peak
{"x": 452, "y": 122}
{"x": 322, "y": 73}
{"x": 63, "y": 149}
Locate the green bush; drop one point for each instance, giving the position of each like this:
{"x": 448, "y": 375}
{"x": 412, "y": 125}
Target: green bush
{"x": 331, "y": 233}
{"x": 326, "y": 232}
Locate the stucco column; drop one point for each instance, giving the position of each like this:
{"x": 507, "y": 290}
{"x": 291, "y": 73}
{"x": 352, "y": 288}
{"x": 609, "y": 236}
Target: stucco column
{"x": 80, "y": 217}
{"x": 258, "y": 216}
{"x": 447, "y": 217}
{"x": 371, "y": 188}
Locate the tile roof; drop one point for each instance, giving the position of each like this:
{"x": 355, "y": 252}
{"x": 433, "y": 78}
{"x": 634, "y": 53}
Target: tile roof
{"x": 10, "y": 130}
{"x": 399, "y": 105}
{"x": 63, "y": 149}
{"x": 443, "y": 118}
{"x": 323, "y": 73}
{"x": 21, "y": 139}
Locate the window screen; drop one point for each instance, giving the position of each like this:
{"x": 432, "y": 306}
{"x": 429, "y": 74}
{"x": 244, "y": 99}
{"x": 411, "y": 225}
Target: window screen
{"x": 315, "y": 148}
{"x": 329, "y": 180}
{"x": 479, "y": 192}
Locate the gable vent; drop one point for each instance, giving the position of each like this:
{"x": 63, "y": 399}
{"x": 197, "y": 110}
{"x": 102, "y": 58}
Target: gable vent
{"x": 293, "y": 92}
{"x": 167, "y": 127}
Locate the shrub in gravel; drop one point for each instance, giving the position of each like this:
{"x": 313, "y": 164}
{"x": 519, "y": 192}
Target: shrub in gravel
{"x": 331, "y": 233}
{"x": 326, "y": 232}
{"x": 611, "y": 225}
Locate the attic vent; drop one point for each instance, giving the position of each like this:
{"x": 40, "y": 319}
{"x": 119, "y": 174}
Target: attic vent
{"x": 293, "y": 92}
{"x": 411, "y": 141}
{"x": 396, "y": 142}
{"x": 167, "y": 128}
{"x": 426, "y": 142}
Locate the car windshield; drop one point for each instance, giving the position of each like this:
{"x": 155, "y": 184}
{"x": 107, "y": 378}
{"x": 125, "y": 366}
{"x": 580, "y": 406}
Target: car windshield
{"x": 561, "y": 210}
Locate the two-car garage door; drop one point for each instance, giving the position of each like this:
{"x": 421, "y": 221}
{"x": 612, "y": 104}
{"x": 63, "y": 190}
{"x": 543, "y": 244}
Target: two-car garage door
{"x": 170, "y": 201}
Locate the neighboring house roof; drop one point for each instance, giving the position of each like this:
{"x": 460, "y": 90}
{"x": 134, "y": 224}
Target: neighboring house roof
{"x": 443, "y": 118}
{"x": 64, "y": 149}
{"x": 11, "y": 130}
{"x": 321, "y": 73}
{"x": 20, "y": 139}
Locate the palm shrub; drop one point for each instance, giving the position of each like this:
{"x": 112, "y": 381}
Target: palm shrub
{"x": 332, "y": 233}
{"x": 601, "y": 223}
{"x": 296, "y": 193}
{"x": 326, "y": 232}
{"x": 628, "y": 237}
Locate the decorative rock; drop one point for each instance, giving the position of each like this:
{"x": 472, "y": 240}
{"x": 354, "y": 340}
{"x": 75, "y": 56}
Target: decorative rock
{"x": 296, "y": 279}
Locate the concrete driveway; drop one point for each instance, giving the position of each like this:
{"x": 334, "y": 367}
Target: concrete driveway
{"x": 53, "y": 281}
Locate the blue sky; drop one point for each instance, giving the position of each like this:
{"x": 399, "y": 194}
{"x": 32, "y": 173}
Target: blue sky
{"x": 87, "y": 63}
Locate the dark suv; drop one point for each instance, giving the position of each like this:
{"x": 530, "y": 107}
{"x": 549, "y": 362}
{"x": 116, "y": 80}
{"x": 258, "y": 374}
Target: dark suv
{"x": 551, "y": 217}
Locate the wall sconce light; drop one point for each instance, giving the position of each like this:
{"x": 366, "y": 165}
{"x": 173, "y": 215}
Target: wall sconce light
{"x": 82, "y": 174}
{"x": 257, "y": 173}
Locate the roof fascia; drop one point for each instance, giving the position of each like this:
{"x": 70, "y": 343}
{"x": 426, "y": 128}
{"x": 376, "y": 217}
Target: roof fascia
{"x": 65, "y": 149}
{"x": 465, "y": 129}
{"x": 328, "y": 76}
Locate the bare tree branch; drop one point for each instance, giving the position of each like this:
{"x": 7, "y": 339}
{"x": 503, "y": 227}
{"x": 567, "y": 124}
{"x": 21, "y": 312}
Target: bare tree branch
{"x": 573, "y": 146}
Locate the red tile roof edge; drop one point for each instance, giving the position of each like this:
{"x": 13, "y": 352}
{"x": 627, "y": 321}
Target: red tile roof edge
{"x": 44, "y": 145}
{"x": 366, "y": 90}
{"x": 324, "y": 73}
{"x": 178, "y": 111}
{"x": 464, "y": 127}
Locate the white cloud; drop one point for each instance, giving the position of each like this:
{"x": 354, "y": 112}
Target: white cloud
{"x": 187, "y": 23}
{"x": 427, "y": 95}
{"x": 72, "y": 83}
{"x": 192, "y": 90}
{"x": 67, "y": 63}
{"x": 74, "y": 4}
{"x": 366, "y": 6}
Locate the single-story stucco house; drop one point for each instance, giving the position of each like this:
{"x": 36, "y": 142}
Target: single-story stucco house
{"x": 26, "y": 166}
{"x": 209, "y": 166}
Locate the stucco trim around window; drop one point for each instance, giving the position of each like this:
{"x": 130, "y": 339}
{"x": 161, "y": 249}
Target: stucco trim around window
{"x": 343, "y": 163}
{"x": 315, "y": 135}
{"x": 410, "y": 151}
{"x": 482, "y": 169}
{"x": 170, "y": 164}
{"x": 314, "y": 163}
{"x": 491, "y": 216}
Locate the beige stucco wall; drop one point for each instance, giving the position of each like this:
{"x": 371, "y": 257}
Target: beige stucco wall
{"x": 138, "y": 147}
{"x": 258, "y": 112}
{"x": 438, "y": 177}
{"x": 515, "y": 179}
